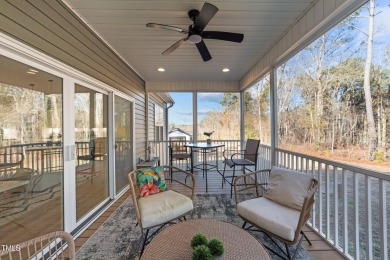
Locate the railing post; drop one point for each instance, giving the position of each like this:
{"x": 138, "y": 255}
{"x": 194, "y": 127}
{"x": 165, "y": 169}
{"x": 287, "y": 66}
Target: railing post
{"x": 274, "y": 116}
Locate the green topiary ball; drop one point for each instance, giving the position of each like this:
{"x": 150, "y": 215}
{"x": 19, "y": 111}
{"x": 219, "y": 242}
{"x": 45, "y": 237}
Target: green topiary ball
{"x": 201, "y": 252}
{"x": 199, "y": 239}
{"x": 216, "y": 247}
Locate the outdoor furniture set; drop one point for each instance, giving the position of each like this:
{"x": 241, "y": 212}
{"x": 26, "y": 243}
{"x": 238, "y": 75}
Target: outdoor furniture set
{"x": 276, "y": 202}
{"x": 280, "y": 206}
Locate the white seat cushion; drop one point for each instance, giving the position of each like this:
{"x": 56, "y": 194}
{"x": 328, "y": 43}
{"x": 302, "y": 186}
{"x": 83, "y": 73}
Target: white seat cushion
{"x": 163, "y": 207}
{"x": 277, "y": 219}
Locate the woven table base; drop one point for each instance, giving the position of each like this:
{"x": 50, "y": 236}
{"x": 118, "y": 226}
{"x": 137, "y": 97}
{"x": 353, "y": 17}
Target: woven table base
{"x": 174, "y": 242}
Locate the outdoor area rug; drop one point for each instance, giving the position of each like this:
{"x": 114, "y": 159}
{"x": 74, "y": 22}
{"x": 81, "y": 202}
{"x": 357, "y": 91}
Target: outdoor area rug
{"x": 120, "y": 238}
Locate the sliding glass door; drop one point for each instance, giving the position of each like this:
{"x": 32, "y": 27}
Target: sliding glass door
{"x": 31, "y": 152}
{"x": 123, "y": 114}
{"x": 91, "y": 111}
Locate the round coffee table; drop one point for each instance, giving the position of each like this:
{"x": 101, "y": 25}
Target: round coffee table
{"x": 174, "y": 242}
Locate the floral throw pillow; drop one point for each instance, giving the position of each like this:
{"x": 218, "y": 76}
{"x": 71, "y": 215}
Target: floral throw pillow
{"x": 151, "y": 181}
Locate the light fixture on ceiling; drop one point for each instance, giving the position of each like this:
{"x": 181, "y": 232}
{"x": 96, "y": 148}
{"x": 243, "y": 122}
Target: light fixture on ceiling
{"x": 195, "y": 38}
{"x": 225, "y": 69}
{"x": 32, "y": 71}
{"x": 161, "y": 69}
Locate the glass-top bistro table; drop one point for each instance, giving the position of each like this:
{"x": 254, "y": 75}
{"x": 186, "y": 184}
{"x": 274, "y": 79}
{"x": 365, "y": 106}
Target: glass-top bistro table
{"x": 204, "y": 149}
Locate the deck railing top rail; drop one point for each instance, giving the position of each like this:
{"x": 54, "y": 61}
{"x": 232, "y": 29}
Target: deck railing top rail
{"x": 337, "y": 164}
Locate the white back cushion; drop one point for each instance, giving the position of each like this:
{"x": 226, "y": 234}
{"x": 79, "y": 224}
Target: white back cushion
{"x": 288, "y": 187}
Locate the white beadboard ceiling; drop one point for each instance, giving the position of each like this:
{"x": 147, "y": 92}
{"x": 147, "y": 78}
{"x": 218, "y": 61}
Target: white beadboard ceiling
{"x": 121, "y": 24}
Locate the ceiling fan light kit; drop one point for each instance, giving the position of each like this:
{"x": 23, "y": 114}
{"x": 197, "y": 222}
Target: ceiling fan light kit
{"x": 195, "y": 33}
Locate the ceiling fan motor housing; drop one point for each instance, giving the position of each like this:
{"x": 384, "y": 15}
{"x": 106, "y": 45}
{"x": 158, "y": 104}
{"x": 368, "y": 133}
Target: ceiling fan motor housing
{"x": 194, "y": 32}
{"x": 193, "y": 14}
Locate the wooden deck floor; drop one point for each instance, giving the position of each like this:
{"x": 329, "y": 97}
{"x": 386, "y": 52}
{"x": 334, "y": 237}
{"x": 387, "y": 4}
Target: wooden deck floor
{"x": 319, "y": 249}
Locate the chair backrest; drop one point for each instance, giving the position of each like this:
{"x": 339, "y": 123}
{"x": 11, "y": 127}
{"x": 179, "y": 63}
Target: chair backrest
{"x": 176, "y": 143}
{"x": 55, "y": 242}
{"x": 306, "y": 207}
{"x": 135, "y": 193}
{"x": 11, "y": 159}
{"x": 100, "y": 147}
{"x": 251, "y": 150}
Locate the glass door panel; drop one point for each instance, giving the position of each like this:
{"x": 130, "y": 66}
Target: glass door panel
{"x": 31, "y": 158}
{"x": 91, "y": 111}
{"x": 123, "y": 142}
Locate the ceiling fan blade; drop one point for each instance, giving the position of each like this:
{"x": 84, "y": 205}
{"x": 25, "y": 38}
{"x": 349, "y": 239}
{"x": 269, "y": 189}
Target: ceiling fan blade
{"x": 204, "y": 52}
{"x": 206, "y": 14}
{"x": 166, "y": 27}
{"x": 224, "y": 36}
{"x": 174, "y": 46}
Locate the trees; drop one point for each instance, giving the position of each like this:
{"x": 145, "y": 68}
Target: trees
{"x": 334, "y": 94}
{"x": 372, "y": 138}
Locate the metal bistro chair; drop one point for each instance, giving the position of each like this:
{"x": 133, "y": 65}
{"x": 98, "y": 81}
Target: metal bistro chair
{"x": 243, "y": 158}
{"x": 177, "y": 151}
{"x": 97, "y": 149}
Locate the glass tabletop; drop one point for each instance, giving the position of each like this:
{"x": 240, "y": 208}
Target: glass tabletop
{"x": 203, "y": 145}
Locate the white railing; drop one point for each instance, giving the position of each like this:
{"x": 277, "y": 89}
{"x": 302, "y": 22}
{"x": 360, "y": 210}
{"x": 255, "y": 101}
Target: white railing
{"x": 350, "y": 210}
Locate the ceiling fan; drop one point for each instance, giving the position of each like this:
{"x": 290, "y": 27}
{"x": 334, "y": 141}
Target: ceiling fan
{"x": 195, "y": 33}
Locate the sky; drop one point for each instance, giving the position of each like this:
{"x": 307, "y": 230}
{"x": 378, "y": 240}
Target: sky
{"x": 181, "y": 112}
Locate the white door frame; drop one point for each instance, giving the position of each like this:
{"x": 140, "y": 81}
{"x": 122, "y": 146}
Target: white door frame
{"x": 18, "y": 51}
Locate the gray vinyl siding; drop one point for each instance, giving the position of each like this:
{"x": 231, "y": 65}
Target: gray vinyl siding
{"x": 50, "y": 27}
{"x": 154, "y": 100}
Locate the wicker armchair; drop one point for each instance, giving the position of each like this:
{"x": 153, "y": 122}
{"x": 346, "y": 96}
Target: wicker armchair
{"x": 163, "y": 208}
{"x": 9, "y": 162}
{"x": 55, "y": 245}
{"x": 268, "y": 216}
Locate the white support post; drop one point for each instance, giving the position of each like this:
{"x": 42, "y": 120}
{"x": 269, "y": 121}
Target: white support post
{"x": 336, "y": 207}
{"x": 147, "y": 121}
{"x": 195, "y": 116}
{"x": 274, "y": 116}
{"x": 242, "y": 117}
{"x": 111, "y": 144}
{"x": 195, "y": 123}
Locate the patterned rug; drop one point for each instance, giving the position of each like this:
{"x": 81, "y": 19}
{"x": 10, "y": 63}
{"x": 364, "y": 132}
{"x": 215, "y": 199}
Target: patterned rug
{"x": 120, "y": 238}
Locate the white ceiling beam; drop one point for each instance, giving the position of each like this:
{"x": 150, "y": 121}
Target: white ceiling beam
{"x": 198, "y": 86}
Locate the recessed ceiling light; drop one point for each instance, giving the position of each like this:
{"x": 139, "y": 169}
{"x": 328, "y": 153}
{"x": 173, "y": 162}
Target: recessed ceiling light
{"x": 161, "y": 69}
{"x": 226, "y": 70}
{"x": 33, "y": 70}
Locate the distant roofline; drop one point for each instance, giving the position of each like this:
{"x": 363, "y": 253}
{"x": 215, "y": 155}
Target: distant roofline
{"x": 180, "y": 130}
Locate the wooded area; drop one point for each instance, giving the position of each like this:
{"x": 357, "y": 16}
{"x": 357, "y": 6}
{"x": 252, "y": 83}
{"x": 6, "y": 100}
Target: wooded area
{"x": 333, "y": 96}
